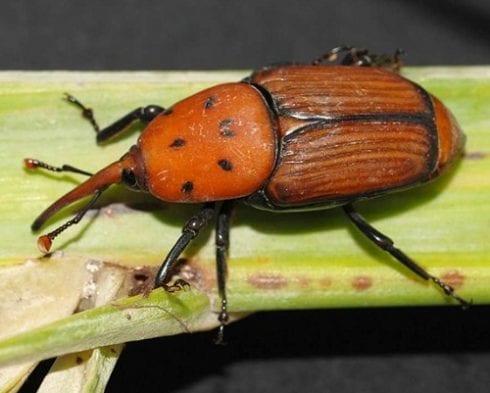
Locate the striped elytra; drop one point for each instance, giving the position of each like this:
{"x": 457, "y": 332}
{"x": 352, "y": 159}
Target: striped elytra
{"x": 350, "y": 133}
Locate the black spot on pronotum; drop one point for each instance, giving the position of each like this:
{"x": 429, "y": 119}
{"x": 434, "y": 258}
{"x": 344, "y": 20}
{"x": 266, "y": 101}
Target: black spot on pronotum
{"x": 209, "y": 102}
{"x": 224, "y": 127}
{"x": 225, "y": 165}
{"x": 179, "y": 142}
{"x": 187, "y": 187}
{"x": 227, "y": 132}
{"x": 225, "y": 123}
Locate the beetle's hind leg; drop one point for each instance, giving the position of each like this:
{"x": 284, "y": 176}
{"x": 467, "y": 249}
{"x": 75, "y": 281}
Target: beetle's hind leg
{"x": 385, "y": 243}
{"x": 144, "y": 114}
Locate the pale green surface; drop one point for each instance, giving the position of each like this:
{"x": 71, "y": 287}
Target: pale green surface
{"x": 83, "y": 372}
{"x": 128, "y": 319}
{"x": 444, "y": 225}
{"x": 277, "y": 261}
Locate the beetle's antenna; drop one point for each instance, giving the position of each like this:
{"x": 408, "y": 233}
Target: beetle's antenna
{"x": 44, "y": 242}
{"x": 32, "y": 163}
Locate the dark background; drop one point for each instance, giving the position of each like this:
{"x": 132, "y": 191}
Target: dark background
{"x": 369, "y": 350}
{"x": 217, "y": 34}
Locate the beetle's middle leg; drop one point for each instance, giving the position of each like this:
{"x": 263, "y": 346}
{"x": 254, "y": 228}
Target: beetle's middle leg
{"x": 144, "y": 114}
{"x": 385, "y": 243}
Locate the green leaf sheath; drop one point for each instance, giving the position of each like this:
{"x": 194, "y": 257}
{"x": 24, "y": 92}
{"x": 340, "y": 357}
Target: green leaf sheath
{"x": 277, "y": 261}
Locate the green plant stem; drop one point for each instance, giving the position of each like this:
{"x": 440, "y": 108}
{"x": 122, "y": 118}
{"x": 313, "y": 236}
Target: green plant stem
{"x": 277, "y": 261}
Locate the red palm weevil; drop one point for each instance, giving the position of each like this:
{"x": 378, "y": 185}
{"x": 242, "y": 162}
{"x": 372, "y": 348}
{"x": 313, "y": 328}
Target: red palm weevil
{"x": 287, "y": 138}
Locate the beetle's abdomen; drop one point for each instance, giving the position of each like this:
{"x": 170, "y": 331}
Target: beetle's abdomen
{"x": 351, "y": 133}
{"x": 217, "y": 144}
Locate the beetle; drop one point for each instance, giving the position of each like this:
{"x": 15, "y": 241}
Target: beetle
{"x": 287, "y": 138}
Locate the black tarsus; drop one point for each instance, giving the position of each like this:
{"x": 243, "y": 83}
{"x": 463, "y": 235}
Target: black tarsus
{"x": 144, "y": 114}
{"x": 387, "y": 244}
{"x": 190, "y": 230}
{"x": 222, "y": 242}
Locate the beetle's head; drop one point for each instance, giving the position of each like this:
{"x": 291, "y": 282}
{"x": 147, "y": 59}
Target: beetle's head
{"x": 128, "y": 170}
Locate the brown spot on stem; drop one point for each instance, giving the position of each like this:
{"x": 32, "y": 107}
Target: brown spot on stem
{"x": 361, "y": 283}
{"x": 304, "y": 282}
{"x": 267, "y": 281}
{"x": 453, "y": 278}
{"x": 79, "y": 360}
{"x": 142, "y": 280}
{"x": 325, "y": 282}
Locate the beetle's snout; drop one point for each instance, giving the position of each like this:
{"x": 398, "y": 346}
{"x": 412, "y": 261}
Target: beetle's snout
{"x": 95, "y": 184}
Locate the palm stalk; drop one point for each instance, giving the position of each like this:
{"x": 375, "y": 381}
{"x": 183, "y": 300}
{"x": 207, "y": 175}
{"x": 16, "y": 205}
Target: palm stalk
{"x": 277, "y": 261}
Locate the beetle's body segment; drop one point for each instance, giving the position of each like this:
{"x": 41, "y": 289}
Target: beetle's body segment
{"x": 351, "y": 133}
{"x": 287, "y": 138}
{"x": 217, "y": 144}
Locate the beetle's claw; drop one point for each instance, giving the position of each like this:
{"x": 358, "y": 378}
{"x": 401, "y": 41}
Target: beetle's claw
{"x": 178, "y": 285}
{"x": 449, "y": 291}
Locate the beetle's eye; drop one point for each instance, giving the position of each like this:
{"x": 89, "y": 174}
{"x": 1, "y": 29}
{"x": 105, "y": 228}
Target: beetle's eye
{"x": 129, "y": 179}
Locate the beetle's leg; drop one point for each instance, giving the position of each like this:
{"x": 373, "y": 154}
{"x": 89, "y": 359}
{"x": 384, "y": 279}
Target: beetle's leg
{"x": 392, "y": 62}
{"x": 190, "y": 230}
{"x": 222, "y": 244}
{"x": 144, "y": 114}
{"x": 32, "y": 163}
{"x": 362, "y": 58}
{"x": 385, "y": 243}
{"x": 333, "y": 54}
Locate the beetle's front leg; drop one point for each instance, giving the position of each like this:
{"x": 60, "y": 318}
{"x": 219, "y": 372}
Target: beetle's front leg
{"x": 385, "y": 243}
{"x": 190, "y": 230}
{"x": 144, "y": 114}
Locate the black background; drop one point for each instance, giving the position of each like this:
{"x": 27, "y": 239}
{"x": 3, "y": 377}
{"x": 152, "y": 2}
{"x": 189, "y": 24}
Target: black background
{"x": 369, "y": 350}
